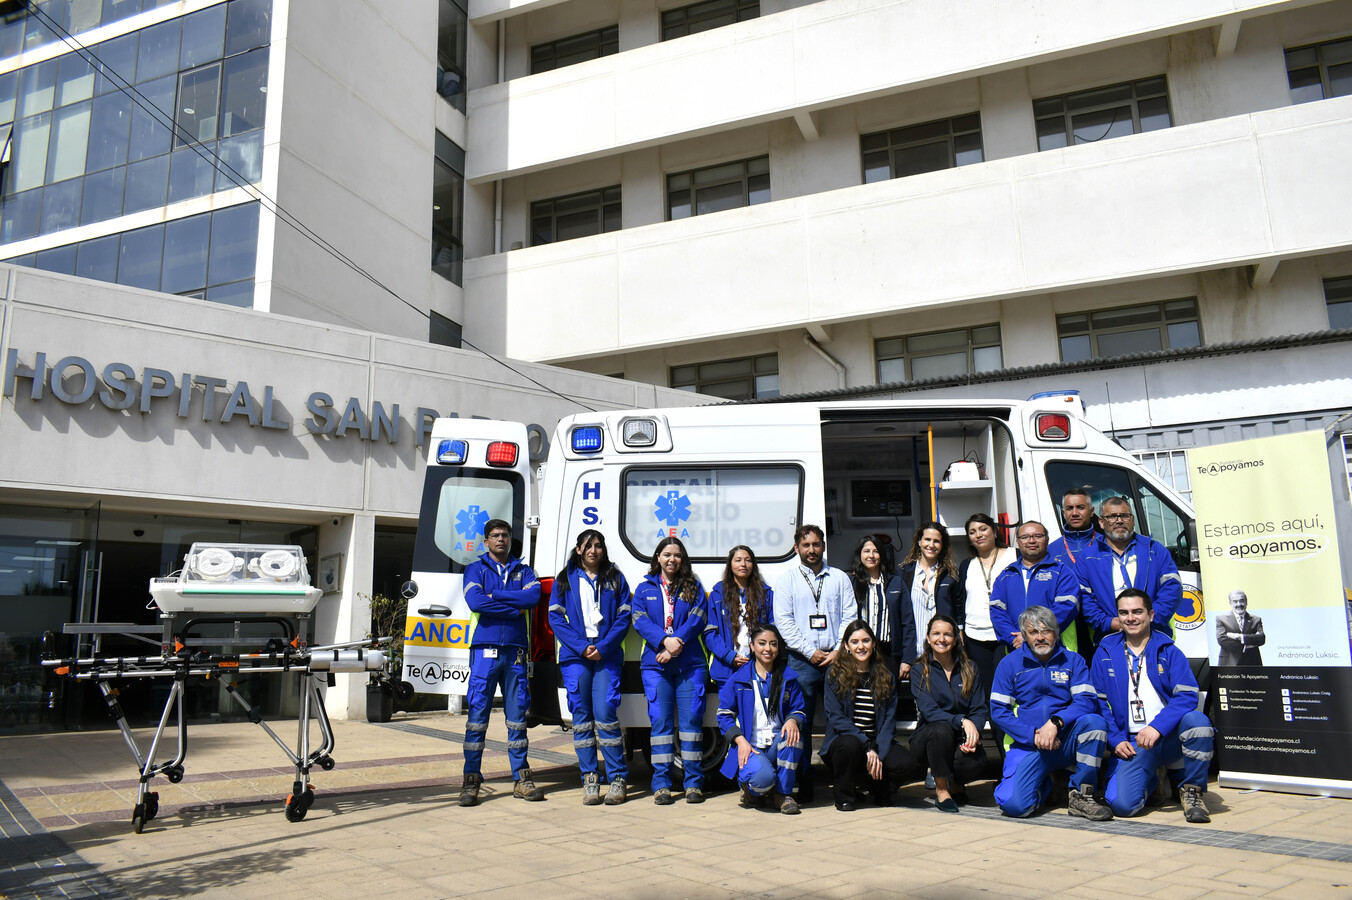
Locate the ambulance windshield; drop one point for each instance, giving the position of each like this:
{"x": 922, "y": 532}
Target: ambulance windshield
{"x": 456, "y": 506}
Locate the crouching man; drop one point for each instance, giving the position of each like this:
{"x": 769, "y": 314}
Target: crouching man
{"x": 1043, "y": 700}
{"x": 1150, "y": 697}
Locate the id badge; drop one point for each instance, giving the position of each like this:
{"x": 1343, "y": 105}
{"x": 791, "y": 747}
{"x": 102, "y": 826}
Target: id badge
{"x": 490, "y": 653}
{"x": 1137, "y": 712}
{"x": 817, "y": 623}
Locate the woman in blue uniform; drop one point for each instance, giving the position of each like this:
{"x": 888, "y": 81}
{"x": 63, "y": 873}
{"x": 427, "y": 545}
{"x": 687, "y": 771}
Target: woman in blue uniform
{"x": 670, "y": 614}
{"x": 738, "y": 603}
{"x": 760, "y": 709}
{"x": 589, "y": 611}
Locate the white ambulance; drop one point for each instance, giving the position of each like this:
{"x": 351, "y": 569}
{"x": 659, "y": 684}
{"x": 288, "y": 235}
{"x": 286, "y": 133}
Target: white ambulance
{"x": 728, "y": 474}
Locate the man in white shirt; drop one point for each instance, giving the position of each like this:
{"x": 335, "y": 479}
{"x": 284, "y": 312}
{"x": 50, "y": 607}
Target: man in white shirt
{"x": 813, "y": 604}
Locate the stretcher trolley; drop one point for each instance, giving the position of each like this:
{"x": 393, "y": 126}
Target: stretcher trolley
{"x": 221, "y": 588}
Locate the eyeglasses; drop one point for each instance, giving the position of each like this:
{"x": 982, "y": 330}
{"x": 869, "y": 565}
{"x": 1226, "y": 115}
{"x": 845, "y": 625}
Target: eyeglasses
{"x": 1033, "y": 537}
{"x": 1117, "y": 517}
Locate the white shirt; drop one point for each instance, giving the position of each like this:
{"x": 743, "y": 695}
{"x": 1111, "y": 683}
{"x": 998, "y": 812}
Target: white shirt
{"x": 589, "y": 601}
{"x": 978, "y": 626}
{"x": 767, "y": 723}
{"x": 1119, "y": 585}
{"x": 923, "y": 586}
{"x": 1154, "y": 703}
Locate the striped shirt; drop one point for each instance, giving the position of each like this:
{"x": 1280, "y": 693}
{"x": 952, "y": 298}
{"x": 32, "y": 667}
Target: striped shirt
{"x": 865, "y": 711}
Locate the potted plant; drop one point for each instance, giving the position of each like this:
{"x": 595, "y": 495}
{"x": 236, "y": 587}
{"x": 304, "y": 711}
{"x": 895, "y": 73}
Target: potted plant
{"x": 387, "y": 620}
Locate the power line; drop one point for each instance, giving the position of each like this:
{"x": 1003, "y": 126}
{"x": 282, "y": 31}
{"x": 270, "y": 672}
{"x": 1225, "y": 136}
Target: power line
{"x": 219, "y": 164}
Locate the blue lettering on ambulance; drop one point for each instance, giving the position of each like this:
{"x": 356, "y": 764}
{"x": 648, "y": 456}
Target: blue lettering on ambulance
{"x": 590, "y": 516}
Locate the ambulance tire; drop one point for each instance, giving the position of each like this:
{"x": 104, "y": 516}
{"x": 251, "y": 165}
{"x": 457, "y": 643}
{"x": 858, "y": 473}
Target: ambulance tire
{"x": 715, "y": 748}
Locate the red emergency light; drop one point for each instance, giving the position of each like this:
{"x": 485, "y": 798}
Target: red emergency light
{"x": 1053, "y": 426}
{"x": 502, "y": 454}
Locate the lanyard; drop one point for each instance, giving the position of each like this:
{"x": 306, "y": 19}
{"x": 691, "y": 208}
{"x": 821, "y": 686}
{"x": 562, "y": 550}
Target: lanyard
{"x": 1122, "y": 567}
{"x": 814, "y": 586}
{"x": 669, "y": 602}
{"x": 1134, "y": 666}
{"x": 764, "y": 701}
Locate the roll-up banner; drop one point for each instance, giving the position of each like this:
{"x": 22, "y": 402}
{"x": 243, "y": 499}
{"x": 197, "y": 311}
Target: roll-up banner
{"x": 1276, "y": 614}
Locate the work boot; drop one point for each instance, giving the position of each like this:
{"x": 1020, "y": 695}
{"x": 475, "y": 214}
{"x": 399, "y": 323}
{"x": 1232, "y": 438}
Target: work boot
{"x": 1083, "y": 804}
{"x": 525, "y": 789}
{"x": 694, "y": 795}
{"x": 749, "y": 800}
{"x": 618, "y": 792}
{"x": 591, "y": 790}
{"x": 1163, "y": 792}
{"x": 662, "y": 797}
{"x": 469, "y": 789}
{"x": 786, "y": 804}
{"x": 1194, "y": 807}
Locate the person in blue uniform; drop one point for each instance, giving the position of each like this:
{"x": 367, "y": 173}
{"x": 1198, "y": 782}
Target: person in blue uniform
{"x": 1043, "y": 700}
{"x": 1078, "y": 534}
{"x": 737, "y": 604}
{"x": 1122, "y": 559}
{"x": 760, "y": 710}
{"x": 1148, "y": 691}
{"x": 1036, "y": 578}
{"x": 590, "y": 614}
{"x": 670, "y": 613}
{"x": 952, "y": 711}
{"x": 500, "y": 590}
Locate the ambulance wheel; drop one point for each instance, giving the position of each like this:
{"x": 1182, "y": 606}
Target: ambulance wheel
{"x": 152, "y": 806}
{"x": 326, "y": 763}
{"x": 715, "y": 748}
{"x": 174, "y": 774}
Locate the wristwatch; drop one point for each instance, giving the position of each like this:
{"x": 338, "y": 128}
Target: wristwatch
{"x": 1059, "y": 722}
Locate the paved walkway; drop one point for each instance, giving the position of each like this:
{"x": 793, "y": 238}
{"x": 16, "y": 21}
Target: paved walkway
{"x": 385, "y": 823}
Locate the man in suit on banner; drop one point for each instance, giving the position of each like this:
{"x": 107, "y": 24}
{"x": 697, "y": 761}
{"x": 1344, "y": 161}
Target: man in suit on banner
{"x": 1239, "y": 634}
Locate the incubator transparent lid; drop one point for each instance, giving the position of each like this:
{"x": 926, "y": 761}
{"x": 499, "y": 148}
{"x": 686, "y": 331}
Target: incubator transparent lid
{"x": 254, "y": 565}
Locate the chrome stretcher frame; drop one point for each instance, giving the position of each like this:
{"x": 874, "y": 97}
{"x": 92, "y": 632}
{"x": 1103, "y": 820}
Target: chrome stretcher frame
{"x": 183, "y": 655}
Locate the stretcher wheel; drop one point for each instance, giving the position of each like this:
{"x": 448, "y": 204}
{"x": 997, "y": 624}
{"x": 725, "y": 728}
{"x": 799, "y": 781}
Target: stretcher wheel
{"x": 403, "y": 692}
{"x": 297, "y": 805}
{"x": 138, "y": 818}
{"x": 152, "y": 806}
{"x": 326, "y": 763}
{"x": 174, "y": 774}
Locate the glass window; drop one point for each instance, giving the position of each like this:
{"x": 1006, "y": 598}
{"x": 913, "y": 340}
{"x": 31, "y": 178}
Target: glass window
{"x": 240, "y": 293}
{"x": 1320, "y": 71}
{"x": 1146, "y": 328}
{"x": 456, "y": 504}
{"x": 158, "y": 54}
{"x": 149, "y": 119}
{"x": 574, "y": 216}
{"x": 198, "y": 97}
{"x": 139, "y": 259}
{"x": 575, "y": 49}
{"x": 452, "y": 23}
{"x": 37, "y": 88}
{"x": 28, "y": 157}
{"x": 234, "y": 243}
{"x": 61, "y": 205}
{"x": 239, "y": 160}
{"x": 191, "y": 173}
{"x": 942, "y": 354}
{"x": 117, "y": 63}
{"x": 1171, "y": 466}
{"x": 109, "y": 126}
{"x": 70, "y": 139}
{"x": 703, "y": 16}
{"x": 245, "y": 93}
{"x": 20, "y": 216}
{"x": 203, "y": 37}
{"x": 9, "y": 95}
{"x": 249, "y": 25}
{"x": 185, "y": 254}
{"x": 74, "y": 80}
{"x": 448, "y": 199}
{"x": 717, "y": 188}
{"x": 1338, "y": 296}
{"x": 97, "y": 259}
{"x": 147, "y": 182}
{"x": 921, "y": 148}
{"x": 751, "y": 377}
{"x": 443, "y": 331}
{"x": 60, "y": 260}
{"x": 102, "y": 196}
{"x": 1091, "y": 116}
{"x": 713, "y": 509}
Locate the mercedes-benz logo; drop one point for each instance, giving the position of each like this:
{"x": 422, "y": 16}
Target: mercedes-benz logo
{"x": 409, "y": 590}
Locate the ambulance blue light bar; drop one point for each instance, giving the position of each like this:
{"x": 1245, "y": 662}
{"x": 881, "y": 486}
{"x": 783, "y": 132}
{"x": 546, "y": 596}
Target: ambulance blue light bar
{"x": 588, "y": 438}
{"x": 452, "y": 453}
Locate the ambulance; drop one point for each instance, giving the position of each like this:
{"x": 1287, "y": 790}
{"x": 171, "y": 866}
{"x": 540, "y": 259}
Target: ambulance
{"x": 750, "y": 473}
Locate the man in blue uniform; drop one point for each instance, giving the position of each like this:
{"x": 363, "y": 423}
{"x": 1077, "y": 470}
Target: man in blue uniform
{"x": 1149, "y": 696}
{"x": 1078, "y": 536}
{"x": 1124, "y": 559}
{"x": 500, "y": 590}
{"x": 1043, "y": 700}
{"x": 1036, "y": 578}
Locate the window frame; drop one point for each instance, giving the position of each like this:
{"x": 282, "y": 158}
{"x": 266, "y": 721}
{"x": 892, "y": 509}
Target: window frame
{"x": 907, "y": 355}
{"x": 448, "y": 228}
{"x": 1067, "y": 114}
{"x": 752, "y": 375}
{"x": 1342, "y": 288}
{"x": 1320, "y": 64}
{"x": 602, "y": 208}
{"x": 896, "y": 141}
{"x": 1161, "y": 324}
{"x": 670, "y": 28}
{"x": 693, "y": 187}
{"x": 646, "y": 555}
{"x": 604, "y": 41}
{"x": 452, "y": 61}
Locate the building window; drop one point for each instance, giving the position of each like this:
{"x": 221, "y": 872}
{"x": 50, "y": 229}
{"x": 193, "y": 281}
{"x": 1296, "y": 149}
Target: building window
{"x": 575, "y": 216}
{"x": 1338, "y": 295}
{"x": 83, "y": 151}
{"x": 699, "y": 17}
{"x": 209, "y": 256}
{"x": 941, "y": 354}
{"x": 1129, "y": 329}
{"x": 1172, "y": 468}
{"x": 748, "y": 378}
{"x": 448, "y": 204}
{"x": 1320, "y": 71}
{"x": 922, "y": 148}
{"x": 1107, "y": 112}
{"x": 578, "y": 48}
{"x": 452, "y": 25}
{"x": 716, "y": 188}
{"x": 443, "y": 331}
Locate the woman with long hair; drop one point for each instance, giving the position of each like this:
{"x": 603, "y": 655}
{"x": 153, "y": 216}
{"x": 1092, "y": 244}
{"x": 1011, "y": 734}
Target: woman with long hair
{"x": 929, "y": 582}
{"x": 738, "y": 603}
{"x": 877, "y": 584}
{"x": 991, "y": 553}
{"x": 861, "y": 720}
{"x": 670, "y": 613}
{"x": 953, "y": 708}
{"x": 760, "y": 709}
{"x": 589, "y": 611}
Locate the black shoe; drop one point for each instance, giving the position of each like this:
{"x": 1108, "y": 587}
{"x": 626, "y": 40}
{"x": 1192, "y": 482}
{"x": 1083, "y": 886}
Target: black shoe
{"x": 846, "y": 805}
{"x": 948, "y": 806}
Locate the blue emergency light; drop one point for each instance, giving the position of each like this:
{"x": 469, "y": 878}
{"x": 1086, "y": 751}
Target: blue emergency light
{"x": 588, "y": 438}
{"x": 452, "y": 453}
